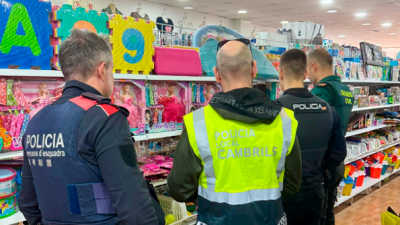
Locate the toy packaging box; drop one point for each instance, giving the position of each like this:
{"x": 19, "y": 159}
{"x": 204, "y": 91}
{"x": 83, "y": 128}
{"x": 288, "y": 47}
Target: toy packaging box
{"x": 166, "y": 104}
{"x": 201, "y": 93}
{"x": 131, "y": 95}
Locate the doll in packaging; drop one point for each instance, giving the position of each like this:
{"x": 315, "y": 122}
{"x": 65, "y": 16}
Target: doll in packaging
{"x": 42, "y": 101}
{"x": 129, "y": 95}
{"x": 201, "y": 94}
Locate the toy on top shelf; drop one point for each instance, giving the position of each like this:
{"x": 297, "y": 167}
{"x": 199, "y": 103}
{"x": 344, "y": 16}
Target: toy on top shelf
{"x": 25, "y": 32}
{"x": 132, "y": 42}
{"x": 166, "y": 105}
{"x": 131, "y": 95}
{"x": 67, "y": 18}
{"x": 177, "y": 61}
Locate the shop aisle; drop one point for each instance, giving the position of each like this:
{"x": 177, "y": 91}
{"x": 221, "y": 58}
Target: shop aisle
{"x": 367, "y": 211}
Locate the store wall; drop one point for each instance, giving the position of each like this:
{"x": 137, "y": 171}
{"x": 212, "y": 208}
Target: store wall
{"x": 176, "y": 14}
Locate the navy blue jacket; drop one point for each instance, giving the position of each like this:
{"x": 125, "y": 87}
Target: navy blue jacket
{"x": 105, "y": 144}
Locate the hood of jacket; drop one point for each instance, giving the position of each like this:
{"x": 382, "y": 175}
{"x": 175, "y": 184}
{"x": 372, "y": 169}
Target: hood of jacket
{"x": 247, "y": 105}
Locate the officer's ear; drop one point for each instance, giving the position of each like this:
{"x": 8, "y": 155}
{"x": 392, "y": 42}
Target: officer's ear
{"x": 217, "y": 76}
{"x": 255, "y": 70}
{"x": 101, "y": 71}
{"x": 280, "y": 74}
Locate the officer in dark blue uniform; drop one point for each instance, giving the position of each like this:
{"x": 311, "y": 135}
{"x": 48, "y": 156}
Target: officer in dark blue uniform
{"x": 80, "y": 165}
{"x": 320, "y": 138}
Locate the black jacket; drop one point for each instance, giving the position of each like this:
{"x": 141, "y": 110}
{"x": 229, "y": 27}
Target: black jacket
{"x": 100, "y": 141}
{"x": 251, "y": 105}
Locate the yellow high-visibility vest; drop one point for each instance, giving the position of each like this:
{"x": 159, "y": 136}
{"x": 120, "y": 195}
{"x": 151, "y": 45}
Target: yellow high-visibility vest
{"x": 243, "y": 162}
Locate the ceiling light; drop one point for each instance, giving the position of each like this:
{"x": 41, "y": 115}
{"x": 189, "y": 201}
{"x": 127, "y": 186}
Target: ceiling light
{"x": 326, "y": 2}
{"x": 284, "y": 22}
{"x": 392, "y": 33}
{"x": 187, "y": 7}
{"x": 366, "y": 24}
{"x": 388, "y": 24}
{"x": 361, "y": 40}
{"x": 342, "y": 36}
{"x": 361, "y": 14}
{"x": 378, "y": 44}
{"x": 332, "y": 11}
{"x": 242, "y": 11}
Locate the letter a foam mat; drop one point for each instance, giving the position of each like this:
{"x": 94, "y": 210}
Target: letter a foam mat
{"x": 132, "y": 42}
{"x": 25, "y": 32}
{"x": 67, "y": 18}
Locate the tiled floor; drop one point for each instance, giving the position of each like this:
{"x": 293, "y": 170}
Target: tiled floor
{"x": 367, "y": 211}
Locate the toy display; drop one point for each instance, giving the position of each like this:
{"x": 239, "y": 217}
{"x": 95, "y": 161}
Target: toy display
{"x": 176, "y": 61}
{"x": 371, "y": 54}
{"x": 166, "y": 105}
{"x": 131, "y": 95}
{"x": 201, "y": 94}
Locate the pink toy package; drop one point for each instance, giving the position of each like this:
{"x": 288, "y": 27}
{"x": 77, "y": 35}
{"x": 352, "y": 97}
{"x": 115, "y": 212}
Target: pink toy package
{"x": 201, "y": 94}
{"x": 167, "y": 103}
{"x": 131, "y": 95}
{"x": 175, "y": 61}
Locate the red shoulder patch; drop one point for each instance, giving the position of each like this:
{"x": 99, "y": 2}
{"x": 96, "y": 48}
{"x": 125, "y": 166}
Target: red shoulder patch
{"x": 108, "y": 109}
{"x": 83, "y": 102}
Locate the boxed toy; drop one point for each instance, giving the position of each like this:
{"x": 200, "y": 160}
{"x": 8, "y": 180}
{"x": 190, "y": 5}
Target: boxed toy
{"x": 201, "y": 93}
{"x": 167, "y": 103}
{"x": 131, "y": 95}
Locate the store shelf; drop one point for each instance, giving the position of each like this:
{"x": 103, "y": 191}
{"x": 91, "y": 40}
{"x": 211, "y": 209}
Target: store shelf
{"x": 179, "y": 78}
{"x": 368, "y": 182}
{"x": 369, "y": 82}
{"x": 10, "y": 155}
{"x": 16, "y": 218}
{"x": 30, "y": 73}
{"x": 361, "y": 131}
{"x": 159, "y": 183}
{"x": 375, "y": 107}
{"x": 158, "y": 135}
{"x": 368, "y": 153}
{"x": 119, "y": 76}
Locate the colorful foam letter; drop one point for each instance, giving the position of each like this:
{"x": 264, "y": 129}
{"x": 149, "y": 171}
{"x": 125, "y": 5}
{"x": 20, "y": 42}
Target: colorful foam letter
{"x": 67, "y": 18}
{"x": 132, "y": 45}
{"x": 25, "y": 32}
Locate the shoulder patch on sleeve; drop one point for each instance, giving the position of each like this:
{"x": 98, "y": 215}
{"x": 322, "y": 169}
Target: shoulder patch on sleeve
{"x": 128, "y": 153}
{"x": 108, "y": 109}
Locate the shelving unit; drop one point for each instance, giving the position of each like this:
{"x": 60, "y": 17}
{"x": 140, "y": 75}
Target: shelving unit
{"x": 368, "y": 153}
{"x": 375, "y": 107}
{"x": 10, "y": 155}
{"x": 158, "y": 135}
{"x": 365, "y": 130}
{"x": 368, "y": 182}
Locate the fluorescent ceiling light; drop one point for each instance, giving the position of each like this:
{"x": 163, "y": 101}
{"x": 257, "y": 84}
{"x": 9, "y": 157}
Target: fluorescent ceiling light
{"x": 392, "y": 33}
{"x": 366, "y": 24}
{"x": 342, "y": 36}
{"x": 284, "y": 22}
{"x": 332, "y": 11}
{"x": 242, "y": 11}
{"x": 378, "y": 44}
{"x": 187, "y": 7}
{"x": 361, "y": 40}
{"x": 361, "y": 14}
{"x": 326, "y": 2}
{"x": 388, "y": 24}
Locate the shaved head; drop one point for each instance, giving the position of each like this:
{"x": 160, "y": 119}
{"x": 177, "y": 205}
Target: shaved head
{"x": 234, "y": 62}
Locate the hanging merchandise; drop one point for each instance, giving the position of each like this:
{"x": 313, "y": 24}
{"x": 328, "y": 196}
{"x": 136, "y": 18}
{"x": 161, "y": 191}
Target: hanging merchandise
{"x": 139, "y": 14}
{"x": 112, "y": 10}
{"x": 10, "y": 96}
{"x": 164, "y": 23}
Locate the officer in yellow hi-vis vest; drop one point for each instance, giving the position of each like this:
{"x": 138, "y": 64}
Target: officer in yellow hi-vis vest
{"x": 239, "y": 153}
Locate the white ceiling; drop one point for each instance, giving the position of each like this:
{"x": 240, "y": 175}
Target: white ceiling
{"x": 270, "y": 12}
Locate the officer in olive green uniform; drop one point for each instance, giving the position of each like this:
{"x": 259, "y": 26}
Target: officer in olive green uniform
{"x": 330, "y": 88}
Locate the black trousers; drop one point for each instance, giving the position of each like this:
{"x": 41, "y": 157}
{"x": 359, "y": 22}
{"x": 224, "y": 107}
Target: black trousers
{"x": 305, "y": 207}
{"x": 328, "y": 213}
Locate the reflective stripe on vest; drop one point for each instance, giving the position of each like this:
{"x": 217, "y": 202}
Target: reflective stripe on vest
{"x": 199, "y": 137}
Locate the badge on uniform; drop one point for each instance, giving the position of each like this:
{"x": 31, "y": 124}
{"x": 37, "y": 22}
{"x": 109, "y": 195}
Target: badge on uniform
{"x": 310, "y": 107}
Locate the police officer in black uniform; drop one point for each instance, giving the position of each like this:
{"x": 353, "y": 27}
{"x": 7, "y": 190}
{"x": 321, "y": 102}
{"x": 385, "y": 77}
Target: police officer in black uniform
{"x": 320, "y": 137}
{"x": 80, "y": 165}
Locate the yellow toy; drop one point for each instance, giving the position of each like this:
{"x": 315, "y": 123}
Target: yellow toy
{"x": 132, "y": 42}
{"x": 169, "y": 219}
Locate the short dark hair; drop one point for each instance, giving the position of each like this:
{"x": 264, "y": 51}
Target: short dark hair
{"x": 322, "y": 57}
{"x": 82, "y": 52}
{"x": 294, "y": 63}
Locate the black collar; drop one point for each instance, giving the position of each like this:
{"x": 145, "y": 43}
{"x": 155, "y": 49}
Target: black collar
{"x": 299, "y": 92}
{"x": 74, "y": 89}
